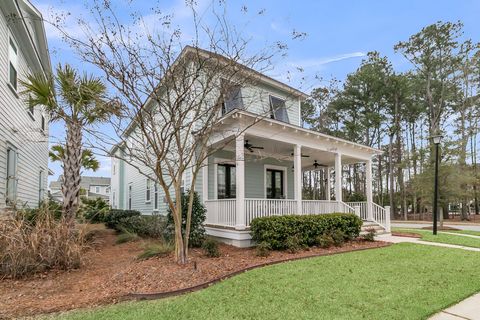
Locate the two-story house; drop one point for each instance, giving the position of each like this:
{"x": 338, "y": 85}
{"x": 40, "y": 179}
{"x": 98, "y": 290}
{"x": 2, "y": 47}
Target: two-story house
{"x": 23, "y": 128}
{"x": 258, "y": 170}
{"x": 90, "y": 188}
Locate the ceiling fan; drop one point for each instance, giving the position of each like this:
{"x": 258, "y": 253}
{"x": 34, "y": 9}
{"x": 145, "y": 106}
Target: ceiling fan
{"x": 316, "y": 164}
{"x": 303, "y": 155}
{"x": 250, "y": 146}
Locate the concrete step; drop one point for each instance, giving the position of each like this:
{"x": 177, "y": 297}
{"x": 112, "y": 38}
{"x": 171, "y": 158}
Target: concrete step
{"x": 367, "y": 225}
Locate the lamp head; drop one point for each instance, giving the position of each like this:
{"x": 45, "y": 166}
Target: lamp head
{"x": 437, "y": 139}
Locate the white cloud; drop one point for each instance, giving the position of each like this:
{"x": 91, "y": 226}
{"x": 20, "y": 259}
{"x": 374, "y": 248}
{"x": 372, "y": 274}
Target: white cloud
{"x": 308, "y": 63}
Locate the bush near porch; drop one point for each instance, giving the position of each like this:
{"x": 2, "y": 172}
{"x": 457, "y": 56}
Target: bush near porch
{"x": 277, "y": 230}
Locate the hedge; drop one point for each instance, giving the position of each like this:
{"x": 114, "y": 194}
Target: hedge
{"x": 112, "y": 219}
{"x": 276, "y": 230}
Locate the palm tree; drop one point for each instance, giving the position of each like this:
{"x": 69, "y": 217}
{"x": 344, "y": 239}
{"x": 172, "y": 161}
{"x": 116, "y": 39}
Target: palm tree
{"x": 78, "y": 101}
{"x": 89, "y": 162}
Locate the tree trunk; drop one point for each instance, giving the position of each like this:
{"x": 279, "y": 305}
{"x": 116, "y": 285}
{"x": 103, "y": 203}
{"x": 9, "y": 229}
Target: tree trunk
{"x": 72, "y": 162}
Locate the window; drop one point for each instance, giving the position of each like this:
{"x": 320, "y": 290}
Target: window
{"x": 42, "y": 124}
{"x": 12, "y": 64}
{"x": 114, "y": 200}
{"x": 155, "y": 196}
{"x": 97, "y": 189}
{"x": 12, "y": 160}
{"x": 31, "y": 108}
{"x": 274, "y": 184}
{"x": 278, "y": 110}
{"x": 230, "y": 97}
{"x": 41, "y": 189}
{"x": 129, "y": 197}
{"x": 107, "y": 190}
{"x": 148, "y": 190}
{"x": 226, "y": 181}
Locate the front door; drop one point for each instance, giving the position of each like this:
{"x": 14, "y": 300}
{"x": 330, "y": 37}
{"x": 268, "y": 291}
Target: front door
{"x": 274, "y": 184}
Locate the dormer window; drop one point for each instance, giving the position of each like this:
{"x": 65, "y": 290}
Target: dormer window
{"x": 278, "y": 110}
{"x": 231, "y": 97}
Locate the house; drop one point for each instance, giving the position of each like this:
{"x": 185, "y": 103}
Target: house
{"x": 257, "y": 167}
{"x": 23, "y": 128}
{"x": 90, "y": 188}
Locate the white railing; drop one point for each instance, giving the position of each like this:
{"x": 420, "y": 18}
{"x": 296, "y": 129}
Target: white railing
{"x": 363, "y": 208}
{"x": 380, "y": 216}
{"x": 255, "y": 208}
{"x": 221, "y": 212}
{"x": 324, "y": 206}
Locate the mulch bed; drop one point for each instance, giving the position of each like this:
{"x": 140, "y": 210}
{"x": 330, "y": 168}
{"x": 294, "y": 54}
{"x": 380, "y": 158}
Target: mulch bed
{"x": 113, "y": 273}
{"x": 406, "y": 234}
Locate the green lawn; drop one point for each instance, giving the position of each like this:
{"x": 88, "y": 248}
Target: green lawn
{"x": 443, "y": 238}
{"x": 473, "y": 233}
{"x": 403, "y": 281}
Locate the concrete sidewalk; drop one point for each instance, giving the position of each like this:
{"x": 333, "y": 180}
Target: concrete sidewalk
{"x": 467, "y": 309}
{"x": 396, "y": 239}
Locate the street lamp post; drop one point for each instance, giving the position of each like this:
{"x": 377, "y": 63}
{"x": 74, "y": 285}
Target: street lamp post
{"x": 436, "y": 140}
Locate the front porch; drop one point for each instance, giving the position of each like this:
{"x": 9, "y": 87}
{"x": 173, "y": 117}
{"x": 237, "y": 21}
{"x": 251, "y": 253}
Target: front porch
{"x": 257, "y": 171}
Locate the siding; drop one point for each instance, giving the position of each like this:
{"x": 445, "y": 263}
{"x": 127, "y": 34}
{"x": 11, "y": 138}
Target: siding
{"x": 20, "y": 130}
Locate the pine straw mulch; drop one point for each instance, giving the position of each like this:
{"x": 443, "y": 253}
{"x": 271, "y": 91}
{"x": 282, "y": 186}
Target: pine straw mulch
{"x": 112, "y": 273}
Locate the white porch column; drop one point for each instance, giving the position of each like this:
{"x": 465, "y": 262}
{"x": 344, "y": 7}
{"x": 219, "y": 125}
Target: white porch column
{"x": 205, "y": 179}
{"x": 328, "y": 195}
{"x": 338, "y": 176}
{"x": 368, "y": 188}
{"x": 297, "y": 165}
{"x": 240, "y": 180}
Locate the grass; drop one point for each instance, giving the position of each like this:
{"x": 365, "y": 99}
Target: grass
{"x": 156, "y": 250}
{"x": 126, "y": 237}
{"x": 403, "y": 281}
{"x": 470, "y": 232}
{"x": 443, "y": 237}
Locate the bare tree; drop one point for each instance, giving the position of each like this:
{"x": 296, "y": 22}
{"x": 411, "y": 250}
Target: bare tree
{"x": 173, "y": 97}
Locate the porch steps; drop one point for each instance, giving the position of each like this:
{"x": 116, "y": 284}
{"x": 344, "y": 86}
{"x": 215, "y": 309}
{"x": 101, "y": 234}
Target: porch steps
{"x": 367, "y": 225}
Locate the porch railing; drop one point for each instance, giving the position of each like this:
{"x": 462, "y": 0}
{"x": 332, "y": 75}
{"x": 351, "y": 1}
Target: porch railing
{"x": 324, "y": 206}
{"x": 221, "y": 212}
{"x": 363, "y": 208}
{"x": 255, "y": 208}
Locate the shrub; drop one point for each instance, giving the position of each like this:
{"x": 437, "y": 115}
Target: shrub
{"x": 112, "y": 219}
{"x": 156, "y": 250}
{"x": 324, "y": 241}
{"x": 275, "y": 230}
{"x": 211, "y": 248}
{"x": 338, "y": 237}
{"x": 145, "y": 226}
{"x": 370, "y": 235}
{"x": 94, "y": 210}
{"x": 126, "y": 237}
{"x": 263, "y": 249}
{"x": 197, "y": 231}
{"x": 51, "y": 207}
{"x": 293, "y": 244}
{"x": 27, "y": 248}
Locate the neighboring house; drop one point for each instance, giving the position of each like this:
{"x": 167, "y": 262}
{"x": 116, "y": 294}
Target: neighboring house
{"x": 91, "y": 188}
{"x": 23, "y": 129}
{"x": 259, "y": 173}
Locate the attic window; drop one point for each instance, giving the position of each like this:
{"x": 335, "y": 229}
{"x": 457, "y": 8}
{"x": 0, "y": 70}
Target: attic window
{"x": 230, "y": 97}
{"x": 278, "y": 110}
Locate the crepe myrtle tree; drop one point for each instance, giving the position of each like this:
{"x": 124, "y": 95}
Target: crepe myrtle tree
{"x": 79, "y": 101}
{"x": 173, "y": 94}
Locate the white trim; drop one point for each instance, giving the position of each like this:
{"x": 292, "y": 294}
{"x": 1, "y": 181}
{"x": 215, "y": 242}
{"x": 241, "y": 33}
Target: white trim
{"x": 285, "y": 174}
{"x": 216, "y": 162}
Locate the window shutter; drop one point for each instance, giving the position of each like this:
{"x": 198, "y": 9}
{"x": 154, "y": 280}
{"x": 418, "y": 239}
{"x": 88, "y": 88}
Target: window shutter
{"x": 278, "y": 109}
{"x": 233, "y": 99}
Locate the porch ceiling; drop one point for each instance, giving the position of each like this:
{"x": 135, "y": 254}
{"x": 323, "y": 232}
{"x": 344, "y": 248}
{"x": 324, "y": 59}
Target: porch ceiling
{"x": 284, "y": 151}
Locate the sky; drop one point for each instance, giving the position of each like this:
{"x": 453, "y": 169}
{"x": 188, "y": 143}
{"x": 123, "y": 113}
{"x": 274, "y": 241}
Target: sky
{"x": 338, "y": 34}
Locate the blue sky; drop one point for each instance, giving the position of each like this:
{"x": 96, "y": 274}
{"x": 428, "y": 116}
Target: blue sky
{"x": 339, "y": 34}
